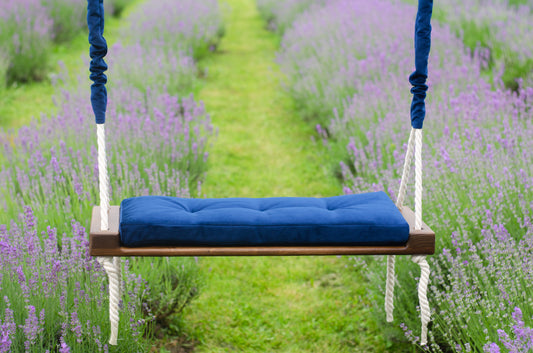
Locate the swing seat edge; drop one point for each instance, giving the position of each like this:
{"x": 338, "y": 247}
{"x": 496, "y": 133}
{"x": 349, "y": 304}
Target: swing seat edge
{"x": 107, "y": 243}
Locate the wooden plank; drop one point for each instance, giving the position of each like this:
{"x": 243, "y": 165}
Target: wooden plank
{"x": 105, "y": 239}
{"x": 107, "y": 243}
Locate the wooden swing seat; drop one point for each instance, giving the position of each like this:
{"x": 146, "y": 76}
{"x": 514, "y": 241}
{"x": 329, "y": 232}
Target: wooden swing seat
{"x": 107, "y": 243}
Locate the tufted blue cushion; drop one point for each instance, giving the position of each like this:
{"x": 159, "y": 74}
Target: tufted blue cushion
{"x": 363, "y": 219}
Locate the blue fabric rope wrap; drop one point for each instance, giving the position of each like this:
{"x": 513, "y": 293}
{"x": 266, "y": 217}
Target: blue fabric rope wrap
{"x": 419, "y": 76}
{"x": 95, "y": 21}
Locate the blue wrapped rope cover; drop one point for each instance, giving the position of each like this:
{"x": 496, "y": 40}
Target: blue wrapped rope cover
{"x": 95, "y": 21}
{"x": 419, "y": 76}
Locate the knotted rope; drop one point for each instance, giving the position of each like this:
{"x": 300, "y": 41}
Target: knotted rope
{"x": 112, "y": 268}
{"x": 415, "y": 140}
{"x": 422, "y": 296}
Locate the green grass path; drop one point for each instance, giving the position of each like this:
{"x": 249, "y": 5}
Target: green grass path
{"x": 264, "y": 304}
{"x": 263, "y": 147}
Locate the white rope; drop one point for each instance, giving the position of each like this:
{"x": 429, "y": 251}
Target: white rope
{"x": 104, "y": 178}
{"x": 391, "y": 278}
{"x": 406, "y": 169}
{"x": 422, "y": 296}
{"x": 118, "y": 267}
{"x": 389, "y": 288}
{"x": 418, "y": 179}
{"x": 112, "y": 267}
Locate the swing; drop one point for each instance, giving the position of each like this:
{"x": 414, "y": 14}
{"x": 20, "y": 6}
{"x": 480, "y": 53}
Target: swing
{"x": 363, "y": 224}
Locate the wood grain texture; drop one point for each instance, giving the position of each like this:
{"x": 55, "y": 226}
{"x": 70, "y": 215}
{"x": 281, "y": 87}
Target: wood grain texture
{"x": 107, "y": 243}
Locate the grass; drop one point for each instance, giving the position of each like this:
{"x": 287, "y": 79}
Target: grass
{"x": 264, "y": 148}
{"x": 284, "y": 304}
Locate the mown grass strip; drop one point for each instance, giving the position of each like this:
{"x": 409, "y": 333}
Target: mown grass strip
{"x": 263, "y": 304}
{"x": 263, "y": 147}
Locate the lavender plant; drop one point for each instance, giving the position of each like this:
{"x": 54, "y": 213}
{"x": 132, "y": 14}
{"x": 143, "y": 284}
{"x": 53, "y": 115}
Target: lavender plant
{"x": 478, "y": 166}
{"x": 159, "y": 52}
{"x": 68, "y": 16}
{"x": 502, "y": 27}
{"x": 25, "y": 39}
{"x": 281, "y": 14}
{"x": 191, "y": 27}
{"x": 522, "y": 340}
{"x": 154, "y": 67}
{"x": 173, "y": 285}
{"x": 52, "y": 292}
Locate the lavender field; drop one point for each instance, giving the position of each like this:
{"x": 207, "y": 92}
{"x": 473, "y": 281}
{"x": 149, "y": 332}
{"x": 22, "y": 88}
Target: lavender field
{"x": 52, "y": 290}
{"x": 346, "y": 65}
{"x": 348, "y": 71}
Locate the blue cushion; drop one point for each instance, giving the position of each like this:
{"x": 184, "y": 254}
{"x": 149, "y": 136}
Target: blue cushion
{"x": 363, "y": 219}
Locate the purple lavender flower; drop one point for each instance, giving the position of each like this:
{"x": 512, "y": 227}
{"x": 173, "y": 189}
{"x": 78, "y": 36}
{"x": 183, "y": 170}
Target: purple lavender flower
{"x": 75, "y": 326}
{"x": 32, "y": 328}
{"x": 63, "y": 347}
{"x": 5, "y": 341}
{"x": 522, "y": 340}
{"x": 491, "y": 348}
